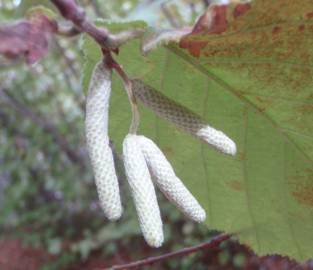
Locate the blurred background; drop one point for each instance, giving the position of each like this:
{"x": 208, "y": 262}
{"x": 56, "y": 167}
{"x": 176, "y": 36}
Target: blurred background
{"x": 49, "y": 212}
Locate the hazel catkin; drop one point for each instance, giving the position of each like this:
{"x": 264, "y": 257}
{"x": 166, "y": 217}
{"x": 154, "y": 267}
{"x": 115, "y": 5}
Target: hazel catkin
{"x": 143, "y": 192}
{"x": 170, "y": 185}
{"x": 100, "y": 153}
{"x": 182, "y": 117}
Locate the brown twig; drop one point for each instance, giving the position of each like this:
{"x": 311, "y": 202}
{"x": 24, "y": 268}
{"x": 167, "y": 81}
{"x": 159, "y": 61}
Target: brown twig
{"x": 71, "y": 11}
{"x": 214, "y": 242}
{"x": 74, "y": 13}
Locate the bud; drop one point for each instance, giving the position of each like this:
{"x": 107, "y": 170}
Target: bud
{"x": 100, "y": 153}
{"x": 171, "y": 186}
{"x": 182, "y": 117}
{"x": 143, "y": 191}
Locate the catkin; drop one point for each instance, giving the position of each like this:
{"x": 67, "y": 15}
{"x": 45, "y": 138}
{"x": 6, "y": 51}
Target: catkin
{"x": 171, "y": 186}
{"x": 100, "y": 153}
{"x": 182, "y": 117}
{"x": 143, "y": 191}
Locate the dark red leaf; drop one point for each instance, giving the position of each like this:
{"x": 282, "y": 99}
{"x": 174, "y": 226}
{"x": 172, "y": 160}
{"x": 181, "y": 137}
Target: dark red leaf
{"x": 29, "y": 38}
{"x": 241, "y": 9}
{"x": 214, "y": 21}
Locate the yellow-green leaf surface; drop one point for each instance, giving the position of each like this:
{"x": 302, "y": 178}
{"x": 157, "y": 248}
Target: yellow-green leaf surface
{"x": 25, "y": 5}
{"x": 254, "y": 81}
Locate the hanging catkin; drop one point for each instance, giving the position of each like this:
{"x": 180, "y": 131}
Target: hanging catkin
{"x": 100, "y": 153}
{"x": 182, "y": 117}
{"x": 143, "y": 191}
{"x": 170, "y": 185}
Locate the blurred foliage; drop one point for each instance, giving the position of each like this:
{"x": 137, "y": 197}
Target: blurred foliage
{"x": 47, "y": 197}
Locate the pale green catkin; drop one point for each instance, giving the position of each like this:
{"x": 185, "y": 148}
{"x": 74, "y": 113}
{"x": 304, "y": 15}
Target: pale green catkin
{"x": 100, "y": 153}
{"x": 182, "y": 117}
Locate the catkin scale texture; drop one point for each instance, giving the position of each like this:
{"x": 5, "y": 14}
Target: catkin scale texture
{"x": 100, "y": 153}
{"x": 143, "y": 191}
{"x": 182, "y": 117}
{"x": 170, "y": 185}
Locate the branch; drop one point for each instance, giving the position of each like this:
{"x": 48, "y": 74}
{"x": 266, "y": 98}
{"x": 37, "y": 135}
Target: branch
{"x": 71, "y": 11}
{"x": 214, "y": 242}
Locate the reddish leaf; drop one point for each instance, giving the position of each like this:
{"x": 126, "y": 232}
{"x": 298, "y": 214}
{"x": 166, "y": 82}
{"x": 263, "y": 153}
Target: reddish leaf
{"x": 241, "y": 9}
{"x": 29, "y": 38}
{"x": 214, "y": 21}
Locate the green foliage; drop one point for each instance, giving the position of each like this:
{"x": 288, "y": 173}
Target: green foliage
{"x": 26, "y": 5}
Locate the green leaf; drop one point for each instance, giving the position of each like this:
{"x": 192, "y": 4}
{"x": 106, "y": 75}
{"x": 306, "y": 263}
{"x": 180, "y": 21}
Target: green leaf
{"x": 28, "y": 4}
{"x": 254, "y": 81}
{"x": 41, "y": 10}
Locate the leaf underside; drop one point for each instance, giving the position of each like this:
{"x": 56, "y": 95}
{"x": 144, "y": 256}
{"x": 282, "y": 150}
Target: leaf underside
{"x": 254, "y": 81}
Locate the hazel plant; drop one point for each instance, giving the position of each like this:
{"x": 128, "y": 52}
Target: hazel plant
{"x": 144, "y": 162}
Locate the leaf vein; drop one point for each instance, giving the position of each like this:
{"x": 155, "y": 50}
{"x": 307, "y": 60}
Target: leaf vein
{"x": 244, "y": 167}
